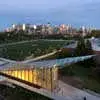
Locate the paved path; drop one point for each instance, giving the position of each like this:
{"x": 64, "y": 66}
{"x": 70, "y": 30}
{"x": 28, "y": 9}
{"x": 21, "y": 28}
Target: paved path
{"x": 40, "y": 57}
{"x": 71, "y": 93}
{"x": 64, "y": 92}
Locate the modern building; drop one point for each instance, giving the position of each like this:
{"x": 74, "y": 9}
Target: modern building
{"x": 43, "y": 77}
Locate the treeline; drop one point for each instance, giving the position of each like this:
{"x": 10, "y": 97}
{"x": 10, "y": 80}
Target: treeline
{"x": 22, "y": 35}
{"x": 94, "y": 33}
{"x": 83, "y": 48}
{"x": 13, "y": 36}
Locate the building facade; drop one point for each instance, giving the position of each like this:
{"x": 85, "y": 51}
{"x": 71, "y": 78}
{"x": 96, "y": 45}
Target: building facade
{"x": 43, "y": 77}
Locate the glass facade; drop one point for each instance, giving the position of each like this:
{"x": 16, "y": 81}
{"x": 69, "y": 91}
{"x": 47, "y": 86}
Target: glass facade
{"x": 43, "y": 77}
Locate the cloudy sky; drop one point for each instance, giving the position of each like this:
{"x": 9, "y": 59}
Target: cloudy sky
{"x": 75, "y": 12}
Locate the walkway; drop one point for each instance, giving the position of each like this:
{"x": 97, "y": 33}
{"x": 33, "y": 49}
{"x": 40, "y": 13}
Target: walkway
{"x": 40, "y": 57}
{"x": 71, "y": 93}
{"x": 64, "y": 92}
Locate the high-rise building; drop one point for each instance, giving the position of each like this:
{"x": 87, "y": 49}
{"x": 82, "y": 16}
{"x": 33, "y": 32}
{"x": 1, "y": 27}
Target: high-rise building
{"x": 13, "y": 26}
{"x": 24, "y": 27}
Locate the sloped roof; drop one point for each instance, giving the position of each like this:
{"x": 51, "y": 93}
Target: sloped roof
{"x": 44, "y": 63}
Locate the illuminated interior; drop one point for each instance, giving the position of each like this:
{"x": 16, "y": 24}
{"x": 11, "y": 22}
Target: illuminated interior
{"x": 44, "y": 77}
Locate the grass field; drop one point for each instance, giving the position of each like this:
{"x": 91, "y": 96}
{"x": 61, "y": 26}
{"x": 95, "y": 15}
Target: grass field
{"x": 80, "y": 76}
{"x": 34, "y": 48}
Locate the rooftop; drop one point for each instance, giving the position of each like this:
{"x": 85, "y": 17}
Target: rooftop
{"x": 5, "y": 64}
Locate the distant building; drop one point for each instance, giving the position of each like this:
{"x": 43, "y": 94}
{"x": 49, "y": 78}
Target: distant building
{"x": 8, "y": 30}
{"x": 63, "y": 28}
{"x": 66, "y": 29}
{"x": 13, "y": 26}
{"x": 83, "y": 31}
{"x": 24, "y": 27}
{"x": 48, "y": 29}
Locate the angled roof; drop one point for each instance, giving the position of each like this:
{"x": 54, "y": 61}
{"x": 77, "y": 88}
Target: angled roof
{"x": 43, "y": 63}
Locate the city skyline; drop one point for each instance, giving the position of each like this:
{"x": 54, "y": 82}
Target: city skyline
{"x": 75, "y": 12}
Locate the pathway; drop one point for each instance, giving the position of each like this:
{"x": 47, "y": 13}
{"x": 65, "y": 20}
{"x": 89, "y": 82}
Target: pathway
{"x": 71, "y": 93}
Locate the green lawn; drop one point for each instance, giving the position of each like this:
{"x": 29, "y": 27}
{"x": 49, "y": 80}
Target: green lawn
{"x": 31, "y": 48}
{"x": 78, "y": 71}
{"x": 88, "y": 81}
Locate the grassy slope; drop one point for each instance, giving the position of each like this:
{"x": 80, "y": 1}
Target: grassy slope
{"x": 89, "y": 81}
{"x": 34, "y": 48}
{"x": 77, "y": 71}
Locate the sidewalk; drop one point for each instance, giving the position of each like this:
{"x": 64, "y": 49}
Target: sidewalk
{"x": 70, "y": 93}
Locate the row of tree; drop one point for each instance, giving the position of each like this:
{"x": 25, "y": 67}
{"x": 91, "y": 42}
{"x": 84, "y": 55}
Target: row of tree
{"x": 21, "y": 35}
{"x": 84, "y": 47}
{"x": 94, "y": 33}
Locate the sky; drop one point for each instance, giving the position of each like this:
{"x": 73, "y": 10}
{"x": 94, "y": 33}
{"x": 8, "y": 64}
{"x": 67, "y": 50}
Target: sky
{"x": 75, "y": 12}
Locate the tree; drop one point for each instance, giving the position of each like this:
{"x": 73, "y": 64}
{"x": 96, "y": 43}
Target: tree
{"x": 80, "y": 49}
{"x": 83, "y": 47}
{"x": 88, "y": 47}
